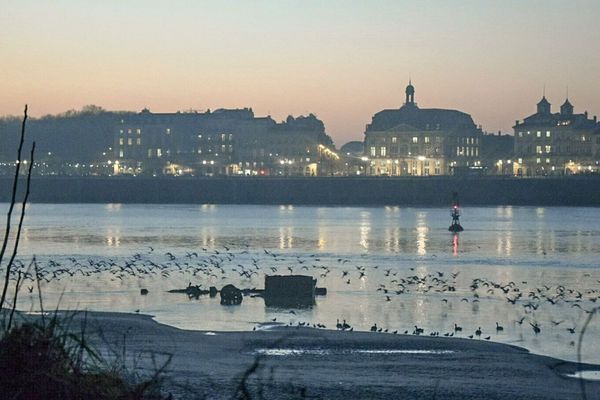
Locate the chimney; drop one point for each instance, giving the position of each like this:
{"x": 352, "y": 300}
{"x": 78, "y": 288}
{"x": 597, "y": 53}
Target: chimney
{"x": 499, "y": 133}
{"x": 586, "y": 114}
{"x": 595, "y": 118}
{"x": 517, "y": 122}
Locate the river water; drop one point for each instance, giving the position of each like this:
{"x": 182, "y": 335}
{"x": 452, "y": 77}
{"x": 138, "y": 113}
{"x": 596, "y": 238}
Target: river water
{"x": 391, "y": 266}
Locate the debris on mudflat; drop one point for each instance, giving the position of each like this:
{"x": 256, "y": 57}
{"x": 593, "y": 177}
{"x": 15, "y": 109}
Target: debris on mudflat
{"x": 230, "y": 295}
{"x": 193, "y": 291}
{"x": 290, "y": 291}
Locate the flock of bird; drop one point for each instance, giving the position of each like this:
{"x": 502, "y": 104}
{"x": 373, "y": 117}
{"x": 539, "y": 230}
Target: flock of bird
{"x": 240, "y": 263}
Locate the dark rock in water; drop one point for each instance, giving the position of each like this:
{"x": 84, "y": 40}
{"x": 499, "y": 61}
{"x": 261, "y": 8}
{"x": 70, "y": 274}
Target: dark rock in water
{"x": 290, "y": 291}
{"x": 144, "y": 292}
{"x": 230, "y": 295}
{"x": 212, "y": 291}
{"x": 193, "y": 291}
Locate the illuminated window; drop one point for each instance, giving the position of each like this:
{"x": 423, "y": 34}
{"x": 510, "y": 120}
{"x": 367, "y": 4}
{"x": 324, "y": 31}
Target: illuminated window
{"x": 222, "y": 137}
{"x": 128, "y": 130}
{"x": 168, "y": 131}
{"x": 539, "y": 134}
{"x": 223, "y": 148}
{"x": 121, "y": 141}
{"x": 158, "y": 152}
{"x": 149, "y": 153}
{"x": 373, "y": 151}
{"x": 138, "y": 131}
{"x": 138, "y": 141}
{"x": 538, "y": 149}
{"x": 520, "y": 161}
{"x": 547, "y": 161}
{"x": 583, "y": 138}
{"x": 537, "y": 160}
{"x": 547, "y": 133}
{"x": 415, "y": 139}
{"x": 426, "y": 139}
{"x": 121, "y": 131}
{"x": 382, "y": 151}
{"x": 394, "y": 139}
{"x": 129, "y": 142}
{"x": 230, "y": 137}
{"x": 548, "y": 149}
{"x": 121, "y": 153}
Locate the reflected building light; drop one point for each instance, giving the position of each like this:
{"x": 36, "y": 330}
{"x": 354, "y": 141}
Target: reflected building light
{"x": 422, "y": 233}
{"x": 113, "y": 238}
{"x": 364, "y": 236}
{"x": 286, "y": 238}
{"x": 208, "y": 207}
{"x": 113, "y": 207}
{"x": 208, "y": 237}
{"x": 392, "y": 239}
{"x": 365, "y": 229}
{"x": 321, "y": 238}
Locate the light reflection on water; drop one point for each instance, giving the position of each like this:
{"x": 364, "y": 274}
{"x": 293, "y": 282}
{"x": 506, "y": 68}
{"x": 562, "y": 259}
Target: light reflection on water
{"x": 529, "y": 246}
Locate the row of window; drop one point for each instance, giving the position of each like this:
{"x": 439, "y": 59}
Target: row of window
{"x": 537, "y": 134}
{"x": 138, "y": 141}
{"x": 224, "y": 149}
{"x": 467, "y": 151}
{"x": 223, "y": 136}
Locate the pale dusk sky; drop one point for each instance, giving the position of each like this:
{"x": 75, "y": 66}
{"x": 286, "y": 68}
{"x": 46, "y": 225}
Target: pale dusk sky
{"x": 341, "y": 60}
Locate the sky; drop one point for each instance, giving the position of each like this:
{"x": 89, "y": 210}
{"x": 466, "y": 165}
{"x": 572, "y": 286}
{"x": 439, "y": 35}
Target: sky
{"x": 341, "y": 60}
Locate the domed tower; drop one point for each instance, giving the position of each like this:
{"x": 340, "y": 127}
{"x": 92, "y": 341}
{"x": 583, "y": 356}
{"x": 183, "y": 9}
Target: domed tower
{"x": 410, "y": 94}
{"x": 543, "y": 107}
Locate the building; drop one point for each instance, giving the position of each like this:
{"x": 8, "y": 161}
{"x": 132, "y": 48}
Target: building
{"x": 421, "y": 141}
{"x": 353, "y": 159}
{"x": 560, "y": 143}
{"x": 222, "y": 142}
{"x": 497, "y": 153}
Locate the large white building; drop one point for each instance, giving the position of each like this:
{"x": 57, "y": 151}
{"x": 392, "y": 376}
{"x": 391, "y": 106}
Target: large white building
{"x": 421, "y": 141}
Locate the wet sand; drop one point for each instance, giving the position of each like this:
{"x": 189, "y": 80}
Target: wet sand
{"x": 292, "y": 362}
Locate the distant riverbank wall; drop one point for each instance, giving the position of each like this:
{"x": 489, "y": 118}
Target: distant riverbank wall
{"x": 334, "y": 191}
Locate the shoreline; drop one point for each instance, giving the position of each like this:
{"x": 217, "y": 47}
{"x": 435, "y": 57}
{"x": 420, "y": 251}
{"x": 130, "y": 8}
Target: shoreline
{"x": 325, "y": 363}
{"x": 434, "y": 191}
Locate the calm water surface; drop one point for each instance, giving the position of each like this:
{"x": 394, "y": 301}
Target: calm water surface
{"x": 358, "y": 254}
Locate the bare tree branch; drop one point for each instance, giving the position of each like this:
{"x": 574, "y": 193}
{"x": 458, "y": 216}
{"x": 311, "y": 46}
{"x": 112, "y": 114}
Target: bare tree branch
{"x": 20, "y": 227}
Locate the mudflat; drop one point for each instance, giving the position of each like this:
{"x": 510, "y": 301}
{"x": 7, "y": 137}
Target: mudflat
{"x": 299, "y": 362}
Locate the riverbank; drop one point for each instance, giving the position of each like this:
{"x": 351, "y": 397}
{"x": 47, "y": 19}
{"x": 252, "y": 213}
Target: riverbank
{"x": 334, "y": 191}
{"x": 290, "y": 362}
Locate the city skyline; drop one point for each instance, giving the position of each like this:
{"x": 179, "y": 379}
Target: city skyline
{"x": 342, "y": 62}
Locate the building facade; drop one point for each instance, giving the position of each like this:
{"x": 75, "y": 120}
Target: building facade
{"x": 421, "y": 142}
{"x": 560, "y": 143}
{"x": 222, "y": 142}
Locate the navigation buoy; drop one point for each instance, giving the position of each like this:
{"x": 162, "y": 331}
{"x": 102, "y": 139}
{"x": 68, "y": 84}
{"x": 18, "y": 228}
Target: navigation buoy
{"x": 455, "y": 214}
